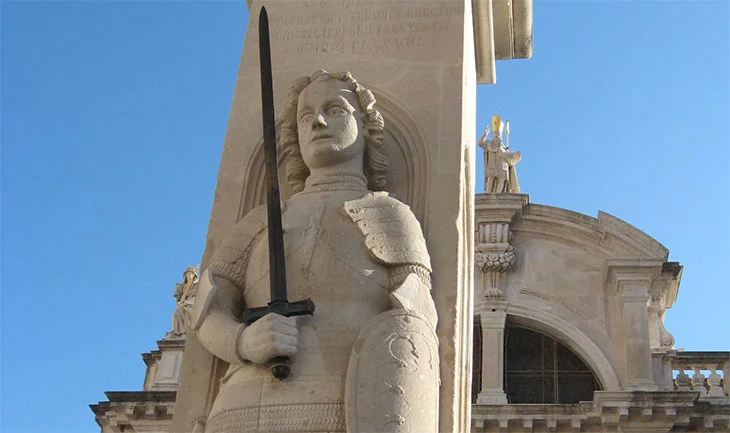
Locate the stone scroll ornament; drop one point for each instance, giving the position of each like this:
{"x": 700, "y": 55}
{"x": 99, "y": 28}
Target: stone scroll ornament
{"x": 656, "y": 322}
{"x": 500, "y": 175}
{"x": 368, "y": 359}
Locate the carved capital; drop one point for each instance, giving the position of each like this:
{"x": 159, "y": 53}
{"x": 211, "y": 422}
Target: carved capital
{"x": 631, "y": 279}
{"x": 489, "y": 260}
{"x": 494, "y": 253}
{"x": 493, "y": 318}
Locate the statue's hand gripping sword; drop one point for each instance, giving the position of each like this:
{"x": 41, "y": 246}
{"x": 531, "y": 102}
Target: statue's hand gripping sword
{"x": 277, "y": 271}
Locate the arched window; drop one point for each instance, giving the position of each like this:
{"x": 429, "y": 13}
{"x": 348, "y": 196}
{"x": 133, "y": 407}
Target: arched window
{"x": 539, "y": 369}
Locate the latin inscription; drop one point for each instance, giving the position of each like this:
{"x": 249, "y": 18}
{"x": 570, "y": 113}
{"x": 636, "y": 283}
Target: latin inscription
{"x": 355, "y": 29}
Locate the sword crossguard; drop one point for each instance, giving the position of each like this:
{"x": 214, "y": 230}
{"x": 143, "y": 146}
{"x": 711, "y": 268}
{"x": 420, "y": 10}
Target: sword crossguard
{"x": 283, "y": 308}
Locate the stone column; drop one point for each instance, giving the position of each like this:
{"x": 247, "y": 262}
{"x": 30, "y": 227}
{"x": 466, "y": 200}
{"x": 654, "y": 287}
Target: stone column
{"x": 494, "y": 257}
{"x": 493, "y": 321}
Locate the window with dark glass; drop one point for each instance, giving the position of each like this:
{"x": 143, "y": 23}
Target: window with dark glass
{"x": 539, "y": 369}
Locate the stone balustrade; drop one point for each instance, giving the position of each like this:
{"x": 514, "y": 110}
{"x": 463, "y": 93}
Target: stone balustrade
{"x": 609, "y": 412}
{"x": 706, "y": 372}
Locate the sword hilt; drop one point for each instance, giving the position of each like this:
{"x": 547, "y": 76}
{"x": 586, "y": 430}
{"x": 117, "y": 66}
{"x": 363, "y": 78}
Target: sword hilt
{"x": 280, "y": 365}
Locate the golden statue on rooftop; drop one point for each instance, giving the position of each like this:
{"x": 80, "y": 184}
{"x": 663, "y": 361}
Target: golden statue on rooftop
{"x": 500, "y": 175}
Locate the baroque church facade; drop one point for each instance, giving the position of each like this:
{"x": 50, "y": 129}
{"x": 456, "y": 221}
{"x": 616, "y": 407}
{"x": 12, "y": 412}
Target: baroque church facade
{"x": 568, "y": 309}
{"x": 568, "y": 328}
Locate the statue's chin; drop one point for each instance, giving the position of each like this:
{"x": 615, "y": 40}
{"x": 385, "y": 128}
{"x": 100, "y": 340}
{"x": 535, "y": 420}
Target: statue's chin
{"x": 324, "y": 154}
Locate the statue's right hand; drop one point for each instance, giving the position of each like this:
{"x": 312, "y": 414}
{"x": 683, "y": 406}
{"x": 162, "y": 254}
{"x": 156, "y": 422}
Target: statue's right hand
{"x": 271, "y": 336}
{"x": 483, "y": 138}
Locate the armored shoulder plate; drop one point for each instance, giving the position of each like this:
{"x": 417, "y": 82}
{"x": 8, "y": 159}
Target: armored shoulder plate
{"x": 229, "y": 260}
{"x": 392, "y": 233}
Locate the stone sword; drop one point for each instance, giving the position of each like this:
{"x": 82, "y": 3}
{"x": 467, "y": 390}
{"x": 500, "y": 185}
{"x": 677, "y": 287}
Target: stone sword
{"x": 279, "y": 303}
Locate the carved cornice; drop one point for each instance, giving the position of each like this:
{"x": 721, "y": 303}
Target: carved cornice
{"x": 667, "y": 285}
{"x": 502, "y": 31}
{"x": 150, "y": 358}
{"x": 177, "y": 343}
{"x": 631, "y": 235}
{"x": 605, "y": 234}
{"x": 140, "y": 396}
{"x": 126, "y": 410}
{"x": 633, "y": 270}
{"x": 499, "y": 207}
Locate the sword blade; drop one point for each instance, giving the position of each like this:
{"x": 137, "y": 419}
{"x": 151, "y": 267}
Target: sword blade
{"x": 277, "y": 270}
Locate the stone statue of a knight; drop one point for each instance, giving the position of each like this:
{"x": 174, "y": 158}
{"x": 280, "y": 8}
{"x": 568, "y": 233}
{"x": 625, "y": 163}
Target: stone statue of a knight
{"x": 500, "y": 175}
{"x": 367, "y": 360}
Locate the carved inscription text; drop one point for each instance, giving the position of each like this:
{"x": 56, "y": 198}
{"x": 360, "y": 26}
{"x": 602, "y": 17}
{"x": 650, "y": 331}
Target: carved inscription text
{"x": 358, "y": 29}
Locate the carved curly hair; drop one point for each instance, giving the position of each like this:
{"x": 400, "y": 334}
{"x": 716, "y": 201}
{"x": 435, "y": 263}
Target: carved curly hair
{"x": 375, "y": 164}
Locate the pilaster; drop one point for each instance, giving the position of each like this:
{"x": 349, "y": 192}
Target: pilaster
{"x": 494, "y": 257}
{"x": 493, "y": 321}
{"x": 494, "y": 254}
{"x": 631, "y": 280}
{"x": 167, "y": 372}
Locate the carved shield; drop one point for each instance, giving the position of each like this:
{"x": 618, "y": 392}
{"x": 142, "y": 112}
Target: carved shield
{"x": 393, "y": 376}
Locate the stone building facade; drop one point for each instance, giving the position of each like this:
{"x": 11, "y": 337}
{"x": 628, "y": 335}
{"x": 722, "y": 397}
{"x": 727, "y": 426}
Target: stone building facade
{"x": 568, "y": 334}
{"x": 151, "y": 409}
{"x": 568, "y": 315}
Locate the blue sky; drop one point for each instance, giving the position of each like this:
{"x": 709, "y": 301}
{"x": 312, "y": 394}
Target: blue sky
{"x": 113, "y": 117}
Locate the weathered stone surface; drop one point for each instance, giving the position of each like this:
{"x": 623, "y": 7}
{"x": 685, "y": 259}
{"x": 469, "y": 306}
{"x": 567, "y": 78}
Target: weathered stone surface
{"x": 418, "y": 58}
{"x": 356, "y": 254}
{"x": 393, "y": 376}
{"x": 600, "y": 287}
{"x": 587, "y": 281}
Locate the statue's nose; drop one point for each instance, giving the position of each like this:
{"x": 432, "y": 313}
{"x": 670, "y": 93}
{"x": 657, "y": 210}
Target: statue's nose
{"x": 318, "y": 121}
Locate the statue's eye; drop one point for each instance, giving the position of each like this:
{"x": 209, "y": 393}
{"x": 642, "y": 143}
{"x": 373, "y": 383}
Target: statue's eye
{"x": 336, "y": 111}
{"x": 306, "y": 118}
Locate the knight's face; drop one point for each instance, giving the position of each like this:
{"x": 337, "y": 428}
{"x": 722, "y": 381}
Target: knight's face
{"x": 330, "y": 124}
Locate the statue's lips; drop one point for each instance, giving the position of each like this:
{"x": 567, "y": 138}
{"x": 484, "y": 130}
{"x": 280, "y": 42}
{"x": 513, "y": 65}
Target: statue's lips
{"x": 321, "y": 137}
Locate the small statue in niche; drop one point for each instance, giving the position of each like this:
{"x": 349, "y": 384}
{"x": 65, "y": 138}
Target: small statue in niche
{"x": 368, "y": 359}
{"x": 184, "y": 299}
{"x": 500, "y": 175}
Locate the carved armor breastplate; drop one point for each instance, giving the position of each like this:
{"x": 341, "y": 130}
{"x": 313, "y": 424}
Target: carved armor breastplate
{"x": 326, "y": 260}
